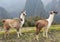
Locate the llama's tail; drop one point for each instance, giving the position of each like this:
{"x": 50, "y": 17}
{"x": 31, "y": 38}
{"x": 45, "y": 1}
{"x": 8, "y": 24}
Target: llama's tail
{"x": 3, "y": 20}
{"x": 36, "y": 24}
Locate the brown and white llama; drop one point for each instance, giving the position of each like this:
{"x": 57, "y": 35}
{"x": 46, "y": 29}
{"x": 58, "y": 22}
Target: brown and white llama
{"x": 45, "y": 24}
{"x": 14, "y": 23}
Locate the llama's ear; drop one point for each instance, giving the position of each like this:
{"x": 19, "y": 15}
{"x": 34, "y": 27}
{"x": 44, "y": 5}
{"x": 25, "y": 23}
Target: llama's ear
{"x": 25, "y": 10}
{"x": 50, "y": 12}
{"x": 21, "y": 11}
{"x": 55, "y": 12}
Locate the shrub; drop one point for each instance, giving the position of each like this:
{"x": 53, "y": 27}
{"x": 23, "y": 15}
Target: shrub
{"x": 1, "y": 23}
{"x": 31, "y": 21}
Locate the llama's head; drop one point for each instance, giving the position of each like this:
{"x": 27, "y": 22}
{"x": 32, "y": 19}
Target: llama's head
{"x": 24, "y": 12}
{"x": 53, "y": 12}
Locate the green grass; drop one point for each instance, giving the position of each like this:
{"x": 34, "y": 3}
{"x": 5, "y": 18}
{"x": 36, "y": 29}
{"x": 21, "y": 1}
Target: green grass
{"x": 31, "y": 29}
{"x": 28, "y": 35}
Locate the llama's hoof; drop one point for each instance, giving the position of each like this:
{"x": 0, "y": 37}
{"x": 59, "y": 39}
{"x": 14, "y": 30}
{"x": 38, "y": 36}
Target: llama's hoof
{"x": 46, "y": 36}
{"x": 36, "y": 38}
{"x": 18, "y": 37}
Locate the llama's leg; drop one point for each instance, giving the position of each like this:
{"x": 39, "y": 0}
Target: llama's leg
{"x": 20, "y": 31}
{"x": 7, "y": 32}
{"x": 18, "y": 34}
{"x": 37, "y": 32}
{"x": 43, "y": 32}
{"x": 47, "y": 32}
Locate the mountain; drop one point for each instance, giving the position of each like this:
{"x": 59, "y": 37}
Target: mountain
{"x": 13, "y": 7}
{"x": 3, "y": 13}
{"x": 35, "y": 8}
{"x": 54, "y": 5}
{"x": 45, "y": 2}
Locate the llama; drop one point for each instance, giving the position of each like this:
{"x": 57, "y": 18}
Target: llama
{"x": 45, "y": 24}
{"x": 14, "y": 23}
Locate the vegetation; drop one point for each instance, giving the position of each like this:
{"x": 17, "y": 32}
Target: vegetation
{"x": 30, "y": 22}
{"x": 28, "y": 35}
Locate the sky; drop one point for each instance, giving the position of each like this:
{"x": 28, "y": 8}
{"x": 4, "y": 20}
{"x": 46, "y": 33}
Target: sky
{"x": 8, "y": 3}
{"x": 14, "y": 3}
{"x": 4, "y": 2}
{"x": 45, "y": 2}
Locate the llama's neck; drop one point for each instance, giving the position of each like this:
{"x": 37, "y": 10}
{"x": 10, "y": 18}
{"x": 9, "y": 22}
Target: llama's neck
{"x": 50, "y": 19}
{"x": 23, "y": 18}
